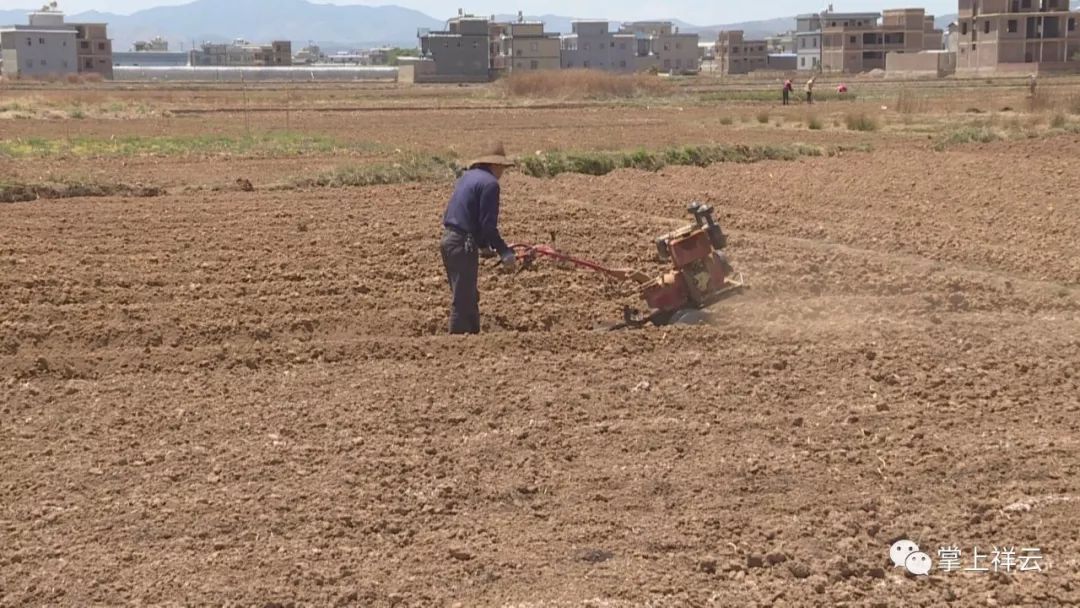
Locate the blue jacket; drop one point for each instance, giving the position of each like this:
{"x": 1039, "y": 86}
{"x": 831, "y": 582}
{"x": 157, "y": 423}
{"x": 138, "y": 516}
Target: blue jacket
{"x": 474, "y": 209}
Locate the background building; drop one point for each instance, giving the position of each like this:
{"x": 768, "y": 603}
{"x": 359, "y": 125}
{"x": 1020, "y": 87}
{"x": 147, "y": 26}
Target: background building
{"x": 243, "y": 53}
{"x": 1017, "y": 35}
{"x": 157, "y": 45}
{"x": 95, "y": 52}
{"x": 808, "y": 42}
{"x": 860, "y": 42}
{"x": 461, "y": 53}
{"x": 734, "y": 55}
{"x": 662, "y": 47}
{"x": 525, "y": 46}
{"x": 592, "y": 45}
{"x": 47, "y": 47}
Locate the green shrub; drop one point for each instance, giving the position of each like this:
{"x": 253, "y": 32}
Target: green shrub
{"x": 814, "y": 123}
{"x": 860, "y": 122}
{"x": 968, "y": 135}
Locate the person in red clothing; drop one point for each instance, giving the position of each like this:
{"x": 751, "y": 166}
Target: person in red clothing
{"x": 841, "y": 90}
{"x": 788, "y": 89}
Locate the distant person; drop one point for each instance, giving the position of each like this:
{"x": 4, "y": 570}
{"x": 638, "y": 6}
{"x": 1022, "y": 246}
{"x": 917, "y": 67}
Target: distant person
{"x": 1033, "y": 83}
{"x": 810, "y": 89}
{"x": 841, "y": 90}
{"x": 789, "y": 88}
{"x": 471, "y": 223}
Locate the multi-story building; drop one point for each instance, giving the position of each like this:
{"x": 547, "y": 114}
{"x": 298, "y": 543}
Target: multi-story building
{"x": 808, "y": 42}
{"x": 860, "y": 43}
{"x": 1017, "y": 35}
{"x": 44, "y": 48}
{"x": 661, "y": 46}
{"x": 781, "y": 44}
{"x": 527, "y": 47}
{"x": 243, "y": 53}
{"x": 592, "y": 45}
{"x": 95, "y": 53}
{"x": 157, "y": 45}
{"x": 461, "y": 53}
{"x": 735, "y": 55}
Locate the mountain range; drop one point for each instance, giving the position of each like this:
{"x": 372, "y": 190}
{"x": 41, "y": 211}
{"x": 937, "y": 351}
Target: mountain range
{"x": 331, "y": 26}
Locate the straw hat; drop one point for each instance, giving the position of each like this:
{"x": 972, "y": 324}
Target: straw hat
{"x": 494, "y": 154}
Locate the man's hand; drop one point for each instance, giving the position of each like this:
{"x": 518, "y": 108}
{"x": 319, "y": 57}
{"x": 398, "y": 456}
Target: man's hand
{"x": 509, "y": 261}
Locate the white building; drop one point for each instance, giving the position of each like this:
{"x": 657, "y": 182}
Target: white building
{"x": 45, "y": 47}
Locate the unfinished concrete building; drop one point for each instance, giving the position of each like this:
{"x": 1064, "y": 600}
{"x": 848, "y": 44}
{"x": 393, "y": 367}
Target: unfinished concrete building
{"x": 592, "y": 45}
{"x": 94, "y": 49}
{"x": 461, "y": 53}
{"x": 736, "y": 55}
{"x": 860, "y": 44}
{"x": 1025, "y": 36}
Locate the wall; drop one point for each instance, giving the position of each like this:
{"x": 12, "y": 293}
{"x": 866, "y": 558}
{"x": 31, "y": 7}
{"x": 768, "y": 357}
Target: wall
{"x": 937, "y": 64}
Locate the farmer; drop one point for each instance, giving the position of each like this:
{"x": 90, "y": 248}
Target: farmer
{"x": 472, "y": 223}
{"x": 788, "y": 89}
{"x": 810, "y": 90}
{"x": 841, "y": 90}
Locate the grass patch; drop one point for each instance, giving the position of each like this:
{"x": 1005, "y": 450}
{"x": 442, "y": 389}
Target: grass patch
{"x": 1058, "y": 121}
{"x": 968, "y": 135}
{"x": 763, "y": 118}
{"x": 11, "y": 192}
{"x": 814, "y": 123}
{"x": 727, "y": 120}
{"x": 602, "y": 163}
{"x": 266, "y": 145}
{"x": 584, "y": 84}
{"x": 860, "y": 122}
{"x": 411, "y": 169}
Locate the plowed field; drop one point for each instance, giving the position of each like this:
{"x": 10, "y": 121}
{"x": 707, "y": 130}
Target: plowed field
{"x": 222, "y": 397}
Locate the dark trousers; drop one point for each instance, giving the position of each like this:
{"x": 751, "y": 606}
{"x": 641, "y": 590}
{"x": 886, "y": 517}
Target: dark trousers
{"x": 809, "y": 97}
{"x": 462, "y": 262}
{"x": 787, "y": 97}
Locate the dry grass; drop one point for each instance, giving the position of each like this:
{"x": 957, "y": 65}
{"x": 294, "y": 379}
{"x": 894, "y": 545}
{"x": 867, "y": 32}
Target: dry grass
{"x": 1055, "y": 102}
{"x": 584, "y": 84}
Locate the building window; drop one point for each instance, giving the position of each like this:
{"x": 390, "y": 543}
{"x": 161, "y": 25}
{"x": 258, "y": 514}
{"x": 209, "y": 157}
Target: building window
{"x": 84, "y": 45}
{"x": 29, "y": 42}
{"x": 43, "y": 62}
{"x": 101, "y": 46}
{"x": 815, "y": 42}
{"x": 1072, "y": 24}
{"x": 41, "y": 41}
{"x": 586, "y": 64}
{"x": 854, "y": 40}
{"x": 963, "y": 29}
{"x": 1014, "y": 26}
{"x": 986, "y": 26}
{"x": 622, "y": 64}
{"x": 534, "y": 65}
{"x": 1025, "y": 4}
{"x": 802, "y": 62}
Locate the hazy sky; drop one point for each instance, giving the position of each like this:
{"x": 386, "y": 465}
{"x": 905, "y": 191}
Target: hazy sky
{"x": 696, "y": 12}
